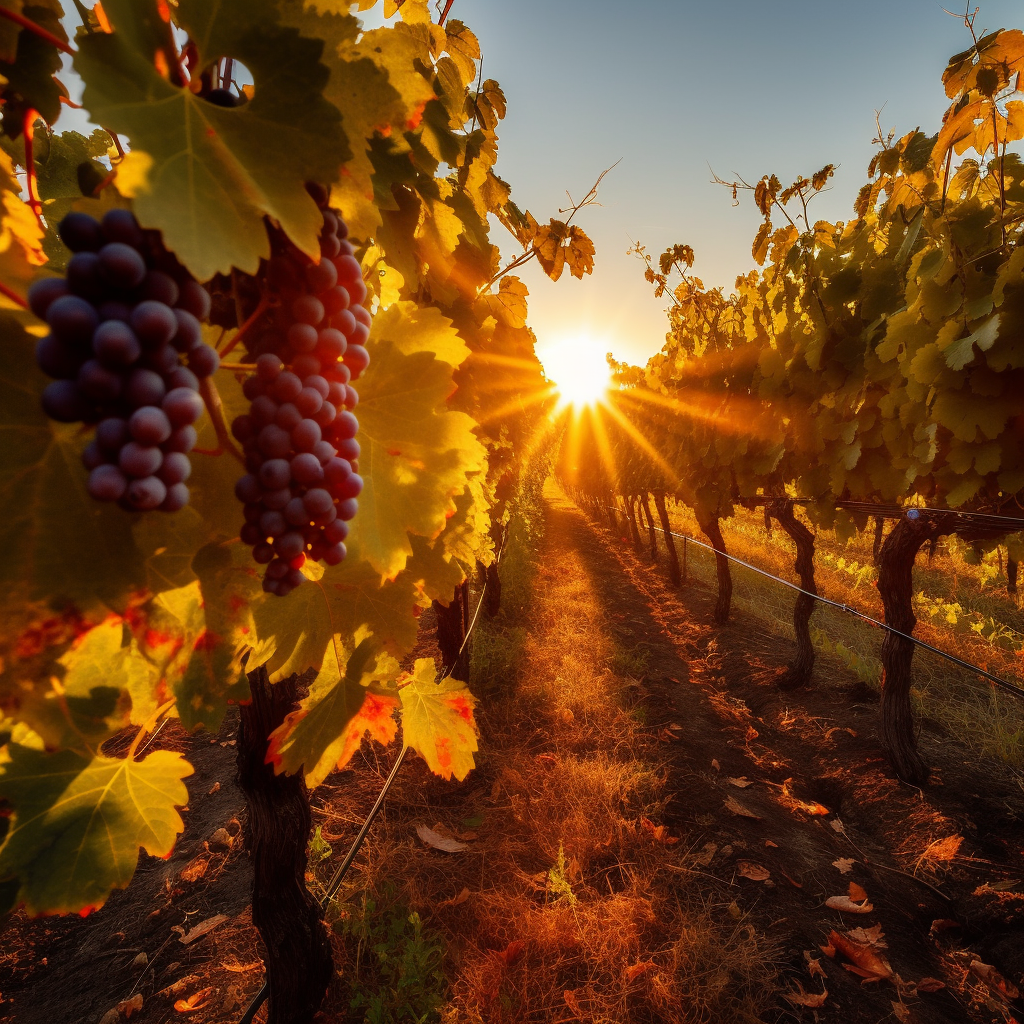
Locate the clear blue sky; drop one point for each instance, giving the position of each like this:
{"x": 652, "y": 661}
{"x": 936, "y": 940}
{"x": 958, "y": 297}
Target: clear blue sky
{"x": 673, "y": 86}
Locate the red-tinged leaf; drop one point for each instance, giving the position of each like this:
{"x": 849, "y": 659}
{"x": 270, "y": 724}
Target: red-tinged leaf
{"x": 873, "y": 936}
{"x": 996, "y": 982}
{"x": 732, "y": 804}
{"x": 196, "y": 1001}
{"x": 658, "y": 832}
{"x": 864, "y": 961}
{"x": 942, "y": 924}
{"x": 930, "y": 985}
{"x": 511, "y": 953}
{"x": 330, "y": 723}
{"x": 438, "y": 841}
{"x": 437, "y": 720}
{"x": 844, "y": 864}
{"x": 847, "y": 906}
{"x": 741, "y": 783}
{"x": 814, "y": 968}
{"x": 201, "y": 929}
{"x": 129, "y": 1006}
{"x": 857, "y": 893}
{"x": 755, "y": 872}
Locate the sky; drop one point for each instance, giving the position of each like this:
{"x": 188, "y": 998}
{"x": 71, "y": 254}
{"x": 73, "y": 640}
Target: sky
{"x": 674, "y": 88}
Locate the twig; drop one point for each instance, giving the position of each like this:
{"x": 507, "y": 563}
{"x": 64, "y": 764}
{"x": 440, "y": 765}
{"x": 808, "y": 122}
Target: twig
{"x": 261, "y": 308}
{"x": 27, "y": 23}
{"x": 27, "y": 130}
{"x": 13, "y": 296}
{"x": 215, "y": 407}
{"x": 444, "y": 13}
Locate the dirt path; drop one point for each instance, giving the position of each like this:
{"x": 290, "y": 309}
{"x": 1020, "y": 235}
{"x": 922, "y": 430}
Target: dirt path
{"x": 637, "y": 767}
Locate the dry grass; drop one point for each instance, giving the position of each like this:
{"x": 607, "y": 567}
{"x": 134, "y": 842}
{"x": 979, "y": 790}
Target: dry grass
{"x": 569, "y": 906}
{"x": 989, "y": 720}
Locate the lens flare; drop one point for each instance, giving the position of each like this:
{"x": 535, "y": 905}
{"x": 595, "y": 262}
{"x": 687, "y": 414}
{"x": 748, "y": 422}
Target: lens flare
{"x": 578, "y": 368}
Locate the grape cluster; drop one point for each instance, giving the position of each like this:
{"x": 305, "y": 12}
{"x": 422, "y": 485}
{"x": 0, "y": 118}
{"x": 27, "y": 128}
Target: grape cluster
{"x": 120, "y": 322}
{"x": 299, "y": 434}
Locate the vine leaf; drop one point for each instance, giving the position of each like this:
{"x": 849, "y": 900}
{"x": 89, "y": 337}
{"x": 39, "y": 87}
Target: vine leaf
{"x": 206, "y": 175}
{"x": 437, "y": 720}
{"x": 78, "y": 822}
{"x": 28, "y": 64}
{"x": 329, "y": 725}
{"x": 21, "y": 236}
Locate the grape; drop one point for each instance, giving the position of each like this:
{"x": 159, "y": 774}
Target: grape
{"x": 97, "y": 383}
{"x": 268, "y": 366}
{"x": 308, "y": 309}
{"x": 272, "y": 523}
{"x": 290, "y": 545}
{"x": 160, "y": 287}
{"x": 262, "y": 553}
{"x": 182, "y": 377}
{"x": 317, "y": 501}
{"x": 111, "y": 434}
{"x": 248, "y": 489}
{"x": 287, "y": 387}
{"x": 306, "y": 468}
{"x": 177, "y": 498}
{"x": 288, "y": 417}
{"x": 182, "y": 440}
{"x": 123, "y": 267}
{"x": 107, "y": 483}
{"x": 149, "y": 425}
{"x": 154, "y": 323}
{"x": 305, "y": 366}
{"x": 92, "y": 456}
{"x": 357, "y": 359}
{"x": 331, "y": 342}
{"x": 335, "y": 531}
{"x": 176, "y": 468}
{"x": 115, "y": 344}
{"x": 321, "y": 276}
{"x": 72, "y": 319}
{"x": 295, "y": 512}
{"x": 114, "y": 309}
{"x": 347, "y": 509}
{"x": 80, "y": 233}
{"x": 140, "y": 460}
{"x": 302, "y": 337}
{"x": 349, "y": 270}
{"x": 182, "y": 407}
{"x": 189, "y": 334}
{"x": 335, "y": 300}
{"x": 56, "y": 359}
{"x": 275, "y": 473}
{"x": 44, "y": 292}
{"x": 348, "y": 449}
{"x": 278, "y": 499}
{"x": 194, "y": 299}
{"x": 121, "y": 226}
{"x": 203, "y": 360}
{"x": 84, "y": 275}
{"x": 308, "y": 402}
{"x": 164, "y": 360}
{"x": 274, "y": 442}
{"x": 335, "y": 554}
{"x": 63, "y": 402}
{"x": 147, "y": 493}
{"x": 362, "y": 314}
{"x": 144, "y": 387}
{"x": 345, "y": 426}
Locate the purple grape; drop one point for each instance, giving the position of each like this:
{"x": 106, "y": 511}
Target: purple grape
{"x": 272, "y": 523}
{"x": 321, "y": 276}
{"x": 56, "y": 359}
{"x": 242, "y": 428}
{"x": 336, "y": 530}
{"x": 348, "y": 449}
{"x": 302, "y": 337}
{"x": 150, "y": 425}
{"x": 335, "y": 300}
{"x": 177, "y": 498}
{"x": 120, "y": 225}
{"x": 115, "y": 344}
{"x": 182, "y": 377}
{"x": 325, "y": 415}
{"x": 346, "y": 324}
{"x": 324, "y": 451}
{"x": 277, "y": 569}
{"x": 345, "y": 426}
{"x": 269, "y": 367}
{"x": 111, "y": 434}
{"x": 189, "y": 334}
{"x": 144, "y": 387}
{"x": 107, "y": 483}
{"x": 288, "y": 417}
{"x": 330, "y": 247}
{"x": 140, "y": 460}
{"x": 114, "y": 309}
{"x": 176, "y": 468}
{"x": 274, "y": 442}
{"x": 262, "y": 553}
{"x": 347, "y": 509}
{"x": 147, "y": 493}
{"x": 331, "y": 342}
{"x": 306, "y": 435}
{"x": 287, "y": 387}
{"x": 80, "y": 233}
{"x": 72, "y": 319}
{"x": 253, "y": 388}
{"x": 247, "y": 489}
{"x": 317, "y": 501}
{"x": 92, "y": 456}
{"x": 335, "y": 554}
{"x": 182, "y": 440}
{"x": 122, "y": 267}
{"x": 308, "y": 402}
{"x": 306, "y": 468}
{"x": 308, "y": 309}
{"x": 154, "y": 323}
{"x": 44, "y": 292}
{"x": 164, "y": 360}
{"x": 252, "y": 511}
{"x": 277, "y": 500}
{"x": 203, "y": 360}
{"x": 290, "y": 545}
{"x": 362, "y": 314}
{"x": 97, "y": 383}
{"x": 63, "y": 402}
{"x": 305, "y": 366}
{"x": 351, "y": 397}
{"x": 182, "y": 406}
{"x": 158, "y": 286}
{"x": 275, "y": 473}
{"x": 295, "y": 512}
{"x": 350, "y": 487}
{"x": 357, "y": 359}
{"x": 263, "y": 410}
{"x": 195, "y": 299}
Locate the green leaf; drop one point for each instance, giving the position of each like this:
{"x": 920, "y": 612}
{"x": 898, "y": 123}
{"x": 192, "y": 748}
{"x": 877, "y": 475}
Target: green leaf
{"x": 27, "y": 83}
{"x": 206, "y": 175}
{"x": 78, "y": 822}
{"x": 329, "y": 725}
{"x": 437, "y": 720}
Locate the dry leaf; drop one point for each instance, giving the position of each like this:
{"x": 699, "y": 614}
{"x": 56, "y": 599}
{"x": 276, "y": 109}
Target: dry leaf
{"x": 240, "y": 968}
{"x": 716, "y": 765}
{"x": 995, "y": 981}
{"x": 864, "y": 961}
{"x": 456, "y": 900}
{"x": 742, "y": 782}
{"x": 857, "y": 893}
{"x": 802, "y": 998}
{"x": 706, "y": 855}
{"x": 844, "y": 864}
{"x": 752, "y": 734}
{"x": 768, "y": 842}
{"x": 659, "y": 832}
{"x": 900, "y": 1011}
{"x": 829, "y": 950}
{"x": 194, "y": 869}
{"x": 439, "y": 842}
{"x": 942, "y": 924}
{"x": 873, "y": 936}
{"x": 755, "y": 872}
{"x": 814, "y": 968}
{"x": 943, "y": 849}
{"x": 200, "y": 929}
{"x": 845, "y": 904}
{"x": 930, "y": 985}
{"x": 142, "y": 960}
{"x": 511, "y": 952}
{"x": 196, "y": 1001}
{"x": 569, "y": 995}
{"x": 129, "y": 1006}
{"x": 635, "y": 970}
{"x": 734, "y": 911}
{"x": 179, "y": 986}
{"x": 837, "y": 826}
{"x": 736, "y": 807}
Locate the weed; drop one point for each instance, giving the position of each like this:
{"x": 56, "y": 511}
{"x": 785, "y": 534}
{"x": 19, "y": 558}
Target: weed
{"x": 630, "y": 662}
{"x": 559, "y": 886}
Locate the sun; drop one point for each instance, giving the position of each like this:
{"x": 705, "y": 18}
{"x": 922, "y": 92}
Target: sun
{"x": 577, "y": 366}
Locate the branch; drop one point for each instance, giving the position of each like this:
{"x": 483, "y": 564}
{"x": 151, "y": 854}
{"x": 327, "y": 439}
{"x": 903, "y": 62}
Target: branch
{"x": 215, "y": 407}
{"x": 444, "y": 13}
{"x": 31, "y": 26}
{"x": 12, "y": 295}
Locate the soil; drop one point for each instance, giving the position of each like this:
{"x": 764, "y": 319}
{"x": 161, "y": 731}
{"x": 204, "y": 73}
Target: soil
{"x": 791, "y": 782}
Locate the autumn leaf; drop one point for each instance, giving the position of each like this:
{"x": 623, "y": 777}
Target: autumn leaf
{"x": 658, "y": 832}
{"x": 930, "y": 985}
{"x": 755, "y": 872}
{"x": 844, "y": 864}
{"x": 741, "y": 783}
{"x": 857, "y": 893}
{"x": 845, "y": 904}
{"x": 996, "y": 982}
{"x": 864, "y": 961}
{"x": 438, "y": 841}
{"x": 131, "y": 1005}
{"x": 732, "y": 804}
{"x": 196, "y": 1001}
{"x": 802, "y": 998}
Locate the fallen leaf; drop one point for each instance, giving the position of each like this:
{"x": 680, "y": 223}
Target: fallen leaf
{"x": 732, "y": 804}
{"x": 439, "y": 842}
{"x": 755, "y": 872}
{"x": 466, "y": 836}
{"x": 240, "y": 968}
{"x": 734, "y": 911}
{"x": 845, "y": 904}
{"x": 900, "y": 1011}
{"x": 179, "y": 986}
{"x": 667, "y": 735}
{"x": 716, "y": 765}
{"x": 511, "y": 952}
{"x": 635, "y": 970}
{"x": 802, "y": 998}
{"x": 942, "y": 924}
{"x": 742, "y": 782}
{"x": 752, "y": 734}
{"x": 768, "y": 842}
{"x": 995, "y": 981}
{"x": 129, "y": 1006}
{"x": 200, "y": 929}
{"x": 844, "y": 864}
{"x": 837, "y": 826}
{"x": 930, "y": 985}
{"x": 857, "y": 893}
{"x": 658, "y": 832}
{"x": 864, "y": 961}
{"x": 792, "y": 881}
{"x": 706, "y": 855}
{"x": 943, "y": 849}
{"x": 873, "y": 936}
{"x": 456, "y": 900}
{"x": 814, "y": 968}
{"x": 142, "y": 960}
{"x": 111, "y": 1017}
{"x": 194, "y": 1002}
{"x": 829, "y": 950}
{"x": 194, "y": 869}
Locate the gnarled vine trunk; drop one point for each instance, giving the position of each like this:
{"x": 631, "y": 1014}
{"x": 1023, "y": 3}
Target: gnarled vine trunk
{"x": 1011, "y": 574}
{"x": 799, "y": 673}
{"x": 452, "y": 622}
{"x": 652, "y": 535}
{"x": 634, "y": 533}
{"x": 896, "y": 588}
{"x": 276, "y": 831}
{"x": 876, "y": 547}
{"x": 712, "y": 529}
{"x": 670, "y": 546}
